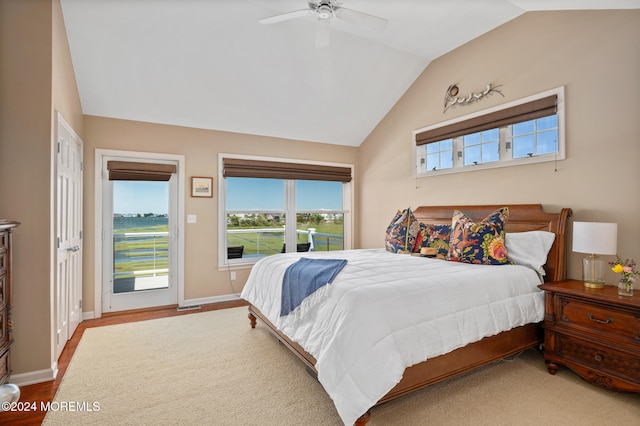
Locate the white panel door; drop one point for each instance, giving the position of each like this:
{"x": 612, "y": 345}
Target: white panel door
{"x": 68, "y": 219}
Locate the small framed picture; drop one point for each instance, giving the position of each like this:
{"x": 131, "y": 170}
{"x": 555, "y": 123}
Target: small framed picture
{"x": 201, "y": 186}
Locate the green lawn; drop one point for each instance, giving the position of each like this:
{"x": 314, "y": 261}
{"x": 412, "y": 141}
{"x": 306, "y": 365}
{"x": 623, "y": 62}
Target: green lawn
{"x": 136, "y": 254}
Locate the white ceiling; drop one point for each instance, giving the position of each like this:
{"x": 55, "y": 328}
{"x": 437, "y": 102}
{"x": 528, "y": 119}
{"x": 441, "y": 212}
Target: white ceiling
{"x": 210, "y": 64}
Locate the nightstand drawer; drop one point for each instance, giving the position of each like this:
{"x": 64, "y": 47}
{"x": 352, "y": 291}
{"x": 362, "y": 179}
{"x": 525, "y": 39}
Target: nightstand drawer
{"x": 596, "y": 333}
{"x": 598, "y": 357}
{"x": 597, "y": 317}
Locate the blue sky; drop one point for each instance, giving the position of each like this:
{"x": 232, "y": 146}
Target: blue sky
{"x": 268, "y": 194}
{"x": 131, "y": 197}
{"x": 317, "y": 195}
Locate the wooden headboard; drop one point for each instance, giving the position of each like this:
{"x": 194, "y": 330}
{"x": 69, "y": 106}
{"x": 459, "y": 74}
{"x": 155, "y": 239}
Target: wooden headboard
{"x": 522, "y": 217}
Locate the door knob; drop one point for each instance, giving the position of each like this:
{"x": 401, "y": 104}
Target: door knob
{"x": 73, "y": 248}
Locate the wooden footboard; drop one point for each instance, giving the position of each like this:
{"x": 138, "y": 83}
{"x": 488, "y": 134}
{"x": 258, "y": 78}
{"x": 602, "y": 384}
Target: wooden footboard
{"x": 467, "y": 358}
{"x": 434, "y": 370}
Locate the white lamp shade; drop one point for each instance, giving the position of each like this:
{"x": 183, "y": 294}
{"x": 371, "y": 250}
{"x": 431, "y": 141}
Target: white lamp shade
{"x": 595, "y": 237}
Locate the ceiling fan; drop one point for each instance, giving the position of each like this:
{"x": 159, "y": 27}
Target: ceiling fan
{"x": 325, "y": 11}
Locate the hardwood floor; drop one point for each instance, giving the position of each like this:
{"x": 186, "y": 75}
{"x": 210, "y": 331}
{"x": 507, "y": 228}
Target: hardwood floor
{"x": 44, "y": 392}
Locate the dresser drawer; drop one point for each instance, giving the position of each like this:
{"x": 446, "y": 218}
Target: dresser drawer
{"x": 6, "y": 230}
{"x": 5, "y": 367}
{"x": 592, "y": 316}
{"x": 3, "y": 290}
{"x": 4, "y": 241}
{"x": 4, "y": 331}
{"x": 599, "y": 357}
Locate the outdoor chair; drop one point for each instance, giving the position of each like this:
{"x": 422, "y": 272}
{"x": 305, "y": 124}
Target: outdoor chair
{"x": 235, "y": 252}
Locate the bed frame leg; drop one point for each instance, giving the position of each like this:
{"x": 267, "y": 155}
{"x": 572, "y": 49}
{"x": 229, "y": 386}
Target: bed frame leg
{"x": 252, "y": 320}
{"x": 363, "y": 419}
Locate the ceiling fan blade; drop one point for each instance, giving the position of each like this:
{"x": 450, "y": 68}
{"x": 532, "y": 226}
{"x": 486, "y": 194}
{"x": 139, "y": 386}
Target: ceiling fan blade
{"x": 286, "y": 16}
{"x": 322, "y": 33}
{"x": 362, "y": 19}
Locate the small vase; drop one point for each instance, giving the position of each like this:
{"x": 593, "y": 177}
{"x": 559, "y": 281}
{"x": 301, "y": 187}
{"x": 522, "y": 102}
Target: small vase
{"x": 625, "y": 288}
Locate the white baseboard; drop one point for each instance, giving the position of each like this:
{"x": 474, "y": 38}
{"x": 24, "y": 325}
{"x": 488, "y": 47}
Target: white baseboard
{"x": 186, "y": 303}
{"x": 208, "y": 300}
{"x": 32, "y": 377}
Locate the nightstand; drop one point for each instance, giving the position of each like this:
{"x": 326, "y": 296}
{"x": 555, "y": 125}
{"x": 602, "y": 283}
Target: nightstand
{"x": 594, "y": 332}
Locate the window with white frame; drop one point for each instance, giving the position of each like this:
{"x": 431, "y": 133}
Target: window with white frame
{"x": 481, "y": 147}
{"x": 535, "y": 137}
{"x": 269, "y": 207}
{"x": 438, "y": 155}
{"x": 526, "y": 131}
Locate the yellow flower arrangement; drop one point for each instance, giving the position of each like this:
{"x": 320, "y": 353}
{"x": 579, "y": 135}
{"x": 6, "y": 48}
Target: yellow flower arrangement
{"x": 618, "y": 268}
{"x": 627, "y": 269}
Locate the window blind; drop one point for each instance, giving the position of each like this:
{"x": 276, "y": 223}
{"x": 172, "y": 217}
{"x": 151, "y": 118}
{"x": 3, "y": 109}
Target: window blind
{"x": 235, "y": 167}
{"x": 130, "y": 170}
{"x": 539, "y": 108}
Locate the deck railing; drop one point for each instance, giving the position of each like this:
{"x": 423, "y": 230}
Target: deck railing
{"x": 145, "y": 254}
{"x": 267, "y": 241}
{"x": 140, "y": 254}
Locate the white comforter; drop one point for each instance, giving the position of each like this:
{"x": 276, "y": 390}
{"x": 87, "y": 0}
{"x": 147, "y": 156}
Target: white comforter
{"x": 385, "y": 312}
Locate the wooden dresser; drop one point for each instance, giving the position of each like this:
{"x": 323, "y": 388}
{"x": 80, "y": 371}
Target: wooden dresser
{"x": 595, "y": 332}
{"x": 6, "y": 229}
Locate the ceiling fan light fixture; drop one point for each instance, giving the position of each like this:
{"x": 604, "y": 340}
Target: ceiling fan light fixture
{"x": 324, "y": 11}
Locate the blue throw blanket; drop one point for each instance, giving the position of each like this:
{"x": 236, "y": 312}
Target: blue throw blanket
{"x": 304, "y": 277}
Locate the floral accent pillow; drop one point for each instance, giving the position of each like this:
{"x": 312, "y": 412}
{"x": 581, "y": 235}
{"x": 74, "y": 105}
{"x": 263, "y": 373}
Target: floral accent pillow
{"x": 402, "y": 232}
{"x": 422, "y": 235}
{"x": 481, "y": 243}
{"x": 435, "y": 236}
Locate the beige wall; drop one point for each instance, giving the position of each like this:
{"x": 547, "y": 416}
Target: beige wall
{"x": 35, "y": 81}
{"x": 201, "y": 149}
{"x": 595, "y": 55}
{"x": 25, "y": 166}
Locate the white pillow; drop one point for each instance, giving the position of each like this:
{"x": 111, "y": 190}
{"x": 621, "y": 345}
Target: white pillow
{"x": 529, "y": 248}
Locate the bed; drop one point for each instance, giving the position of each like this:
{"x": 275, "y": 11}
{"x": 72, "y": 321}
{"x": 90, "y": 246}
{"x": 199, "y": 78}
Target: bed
{"x": 434, "y": 339}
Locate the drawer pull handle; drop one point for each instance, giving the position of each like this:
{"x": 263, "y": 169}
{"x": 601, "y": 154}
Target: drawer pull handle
{"x": 599, "y": 357}
{"x": 599, "y": 321}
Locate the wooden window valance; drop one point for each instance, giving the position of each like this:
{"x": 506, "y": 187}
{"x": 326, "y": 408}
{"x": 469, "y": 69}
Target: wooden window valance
{"x": 539, "y": 108}
{"x": 235, "y": 167}
{"x": 130, "y": 170}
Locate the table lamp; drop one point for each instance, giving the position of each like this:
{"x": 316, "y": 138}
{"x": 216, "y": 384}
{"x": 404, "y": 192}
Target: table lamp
{"x": 594, "y": 238}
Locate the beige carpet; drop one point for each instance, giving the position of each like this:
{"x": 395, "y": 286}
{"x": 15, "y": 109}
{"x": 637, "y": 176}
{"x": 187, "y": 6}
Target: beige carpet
{"x": 211, "y": 368}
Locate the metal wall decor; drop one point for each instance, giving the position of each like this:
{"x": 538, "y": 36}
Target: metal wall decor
{"x": 452, "y": 100}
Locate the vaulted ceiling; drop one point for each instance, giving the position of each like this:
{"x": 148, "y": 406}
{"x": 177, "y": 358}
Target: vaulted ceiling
{"x": 212, "y": 64}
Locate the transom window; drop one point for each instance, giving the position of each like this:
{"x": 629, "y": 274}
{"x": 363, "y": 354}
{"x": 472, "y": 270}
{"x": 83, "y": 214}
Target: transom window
{"x": 481, "y": 147}
{"x": 535, "y": 137}
{"x": 439, "y": 155}
{"x": 521, "y": 132}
